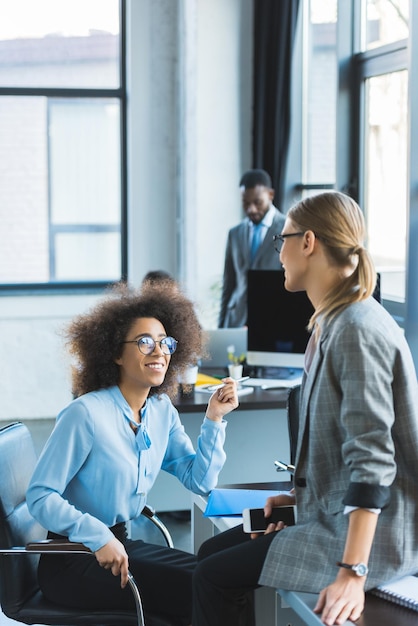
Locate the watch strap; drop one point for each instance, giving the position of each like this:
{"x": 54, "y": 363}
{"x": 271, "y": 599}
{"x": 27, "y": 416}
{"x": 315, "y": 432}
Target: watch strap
{"x": 360, "y": 569}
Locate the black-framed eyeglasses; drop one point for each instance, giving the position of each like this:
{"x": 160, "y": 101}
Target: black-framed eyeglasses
{"x": 146, "y": 345}
{"x": 278, "y": 240}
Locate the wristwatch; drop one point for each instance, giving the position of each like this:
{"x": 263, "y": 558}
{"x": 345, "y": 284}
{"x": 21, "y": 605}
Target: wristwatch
{"x": 360, "y": 569}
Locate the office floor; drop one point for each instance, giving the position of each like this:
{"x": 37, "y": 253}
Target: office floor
{"x": 178, "y": 523}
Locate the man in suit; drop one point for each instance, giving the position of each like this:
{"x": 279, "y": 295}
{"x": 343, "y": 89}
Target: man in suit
{"x": 249, "y": 246}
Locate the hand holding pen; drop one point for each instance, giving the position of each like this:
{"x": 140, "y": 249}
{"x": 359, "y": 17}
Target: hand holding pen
{"x": 215, "y": 387}
{"x": 283, "y": 467}
{"x": 223, "y": 400}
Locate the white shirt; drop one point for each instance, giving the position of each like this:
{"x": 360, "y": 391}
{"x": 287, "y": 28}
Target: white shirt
{"x": 265, "y": 224}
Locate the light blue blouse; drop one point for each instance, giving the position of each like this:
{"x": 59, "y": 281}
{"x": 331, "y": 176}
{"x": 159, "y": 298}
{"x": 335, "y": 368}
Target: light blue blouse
{"x": 94, "y": 472}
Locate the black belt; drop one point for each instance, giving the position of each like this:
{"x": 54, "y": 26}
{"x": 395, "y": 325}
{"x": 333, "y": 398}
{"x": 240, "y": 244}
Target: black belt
{"x": 119, "y": 530}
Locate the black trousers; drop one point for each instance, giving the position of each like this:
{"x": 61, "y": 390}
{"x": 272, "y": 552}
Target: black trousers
{"x": 225, "y": 578}
{"x": 163, "y": 575}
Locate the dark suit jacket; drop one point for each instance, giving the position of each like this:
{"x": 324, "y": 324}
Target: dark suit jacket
{"x": 358, "y": 424}
{"x": 233, "y": 311}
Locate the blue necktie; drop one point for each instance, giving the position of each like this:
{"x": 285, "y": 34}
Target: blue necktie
{"x": 255, "y": 243}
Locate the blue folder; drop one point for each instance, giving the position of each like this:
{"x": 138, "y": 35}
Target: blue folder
{"x": 231, "y": 502}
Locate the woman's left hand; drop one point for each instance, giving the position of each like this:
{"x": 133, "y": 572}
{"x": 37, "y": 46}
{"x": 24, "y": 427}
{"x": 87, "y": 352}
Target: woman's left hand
{"x": 342, "y": 600}
{"x": 223, "y": 400}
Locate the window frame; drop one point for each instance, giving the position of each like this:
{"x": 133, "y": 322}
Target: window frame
{"x": 354, "y": 67}
{"x": 367, "y": 64}
{"x": 120, "y": 94}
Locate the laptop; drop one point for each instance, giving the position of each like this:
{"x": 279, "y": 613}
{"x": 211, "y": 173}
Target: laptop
{"x": 218, "y": 341}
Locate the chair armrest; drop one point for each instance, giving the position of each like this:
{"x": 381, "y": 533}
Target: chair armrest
{"x": 150, "y": 514}
{"x": 58, "y": 546}
{"x": 54, "y": 546}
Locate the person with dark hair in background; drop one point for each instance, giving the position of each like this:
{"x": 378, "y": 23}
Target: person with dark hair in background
{"x": 157, "y": 276}
{"x": 355, "y": 483}
{"x": 249, "y": 246}
{"x": 109, "y": 444}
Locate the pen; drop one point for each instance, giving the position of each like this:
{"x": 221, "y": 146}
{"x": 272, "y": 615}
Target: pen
{"x": 215, "y": 387}
{"x": 283, "y": 467}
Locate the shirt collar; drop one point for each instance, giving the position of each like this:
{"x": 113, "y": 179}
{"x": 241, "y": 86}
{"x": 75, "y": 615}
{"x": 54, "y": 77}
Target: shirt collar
{"x": 120, "y": 400}
{"x": 142, "y": 440}
{"x": 267, "y": 220}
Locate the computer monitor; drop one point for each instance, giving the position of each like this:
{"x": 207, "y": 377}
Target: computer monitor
{"x": 218, "y": 341}
{"x": 277, "y": 321}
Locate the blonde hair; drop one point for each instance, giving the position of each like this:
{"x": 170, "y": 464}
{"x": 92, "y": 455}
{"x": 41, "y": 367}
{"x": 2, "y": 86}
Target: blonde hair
{"x": 338, "y": 223}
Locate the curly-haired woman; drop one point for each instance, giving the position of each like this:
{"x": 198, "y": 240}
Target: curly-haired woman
{"x": 109, "y": 444}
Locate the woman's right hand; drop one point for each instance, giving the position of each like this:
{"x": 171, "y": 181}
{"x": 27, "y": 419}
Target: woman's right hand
{"x": 283, "y": 499}
{"x": 113, "y": 556}
{"x": 223, "y": 400}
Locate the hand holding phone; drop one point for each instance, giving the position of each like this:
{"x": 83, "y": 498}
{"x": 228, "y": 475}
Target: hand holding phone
{"x": 254, "y": 520}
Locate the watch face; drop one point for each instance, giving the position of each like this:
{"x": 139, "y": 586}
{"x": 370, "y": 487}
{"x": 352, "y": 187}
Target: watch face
{"x": 361, "y": 569}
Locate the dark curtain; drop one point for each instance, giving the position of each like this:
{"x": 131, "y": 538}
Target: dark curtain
{"x": 274, "y": 33}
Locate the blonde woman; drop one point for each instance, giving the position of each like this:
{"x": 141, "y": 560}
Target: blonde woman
{"x": 355, "y": 481}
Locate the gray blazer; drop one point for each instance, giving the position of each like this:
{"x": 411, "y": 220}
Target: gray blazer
{"x": 358, "y": 424}
{"x": 233, "y": 312}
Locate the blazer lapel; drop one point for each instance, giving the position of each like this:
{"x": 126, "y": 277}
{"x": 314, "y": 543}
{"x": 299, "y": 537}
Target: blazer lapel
{"x": 266, "y": 245}
{"x": 244, "y": 243}
{"x": 307, "y": 385}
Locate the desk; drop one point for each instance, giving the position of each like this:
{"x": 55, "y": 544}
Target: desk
{"x": 256, "y": 435}
{"x": 204, "y": 528}
{"x": 292, "y": 608}
{"x": 377, "y": 612}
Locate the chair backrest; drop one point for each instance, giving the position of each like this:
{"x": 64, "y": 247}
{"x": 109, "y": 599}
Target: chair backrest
{"x": 20, "y": 597}
{"x": 293, "y": 402}
{"x": 18, "y": 577}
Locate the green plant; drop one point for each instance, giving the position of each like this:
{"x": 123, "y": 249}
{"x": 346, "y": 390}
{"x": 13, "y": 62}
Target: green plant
{"x": 232, "y": 358}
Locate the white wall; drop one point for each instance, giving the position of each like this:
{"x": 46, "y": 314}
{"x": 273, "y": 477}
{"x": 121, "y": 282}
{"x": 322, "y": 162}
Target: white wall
{"x": 191, "y": 101}
{"x": 35, "y": 377}
{"x": 189, "y": 141}
{"x": 224, "y": 108}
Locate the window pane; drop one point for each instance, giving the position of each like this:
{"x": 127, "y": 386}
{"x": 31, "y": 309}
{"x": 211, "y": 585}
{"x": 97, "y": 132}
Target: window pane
{"x": 386, "y": 21}
{"x": 59, "y": 43}
{"x": 321, "y": 91}
{"x": 23, "y": 190}
{"x": 60, "y": 170}
{"x": 386, "y": 180}
{"x": 85, "y": 161}
{"x": 87, "y": 256}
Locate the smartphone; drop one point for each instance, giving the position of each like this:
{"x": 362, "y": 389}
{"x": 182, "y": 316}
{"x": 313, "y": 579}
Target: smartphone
{"x": 255, "y": 522}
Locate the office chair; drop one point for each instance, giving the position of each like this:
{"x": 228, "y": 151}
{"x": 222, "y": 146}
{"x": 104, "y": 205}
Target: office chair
{"x": 292, "y": 410}
{"x": 22, "y": 539}
{"x": 293, "y": 403}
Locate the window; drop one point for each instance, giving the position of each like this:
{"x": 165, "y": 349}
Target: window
{"x": 353, "y": 104}
{"x": 62, "y": 103}
{"x": 312, "y": 152}
{"x": 385, "y": 202}
{"x": 383, "y": 130}
{"x": 384, "y": 22}
{"x": 320, "y": 89}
